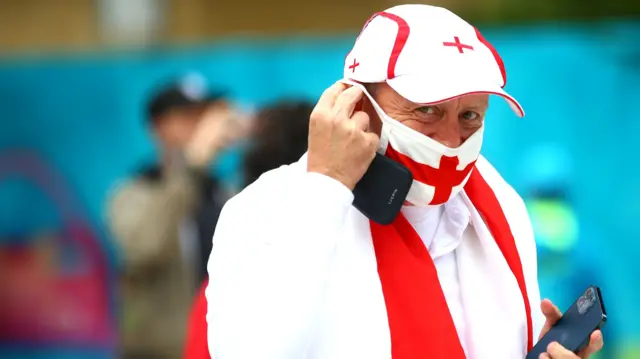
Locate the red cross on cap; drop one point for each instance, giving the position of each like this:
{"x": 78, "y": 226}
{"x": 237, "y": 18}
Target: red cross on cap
{"x": 458, "y": 44}
{"x": 353, "y": 66}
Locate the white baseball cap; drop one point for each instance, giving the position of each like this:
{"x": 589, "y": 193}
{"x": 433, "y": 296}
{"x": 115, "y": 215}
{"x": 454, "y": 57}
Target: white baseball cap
{"x": 428, "y": 55}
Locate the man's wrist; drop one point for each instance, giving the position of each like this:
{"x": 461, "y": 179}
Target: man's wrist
{"x": 182, "y": 164}
{"x": 330, "y": 198}
{"x": 333, "y": 175}
{"x": 196, "y": 157}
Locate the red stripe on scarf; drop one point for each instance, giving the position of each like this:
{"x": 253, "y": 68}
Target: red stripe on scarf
{"x": 419, "y": 319}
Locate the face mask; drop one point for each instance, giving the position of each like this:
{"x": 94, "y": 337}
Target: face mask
{"x": 439, "y": 172}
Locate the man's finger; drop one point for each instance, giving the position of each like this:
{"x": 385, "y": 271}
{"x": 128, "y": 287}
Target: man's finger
{"x": 557, "y": 351}
{"x": 329, "y": 96}
{"x": 346, "y": 102}
{"x": 550, "y": 311}
{"x": 361, "y": 121}
{"x": 373, "y": 141}
{"x": 596, "y": 342}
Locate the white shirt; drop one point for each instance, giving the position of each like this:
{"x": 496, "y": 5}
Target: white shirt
{"x": 441, "y": 231}
{"x": 293, "y": 273}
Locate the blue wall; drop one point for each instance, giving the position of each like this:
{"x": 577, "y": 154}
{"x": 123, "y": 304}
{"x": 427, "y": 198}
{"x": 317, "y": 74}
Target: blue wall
{"x": 579, "y": 85}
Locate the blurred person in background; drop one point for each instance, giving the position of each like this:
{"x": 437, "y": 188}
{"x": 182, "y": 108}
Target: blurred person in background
{"x": 279, "y": 137}
{"x": 297, "y": 272}
{"x": 164, "y": 217}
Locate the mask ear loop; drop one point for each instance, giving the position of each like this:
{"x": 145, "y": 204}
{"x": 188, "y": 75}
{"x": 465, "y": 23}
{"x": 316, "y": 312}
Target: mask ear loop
{"x": 385, "y": 132}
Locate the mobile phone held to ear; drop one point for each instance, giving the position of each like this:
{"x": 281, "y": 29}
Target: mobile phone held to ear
{"x": 382, "y": 190}
{"x": 574, "y": 329}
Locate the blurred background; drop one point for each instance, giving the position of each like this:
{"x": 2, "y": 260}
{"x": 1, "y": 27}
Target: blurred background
{"x": 104, "y": 221}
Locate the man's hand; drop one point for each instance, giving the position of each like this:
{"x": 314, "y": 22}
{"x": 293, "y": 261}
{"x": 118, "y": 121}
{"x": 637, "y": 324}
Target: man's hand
{"x": 218, "y": 127}
{"x": 339, "y": 144}
{"x": 557, "y": 351}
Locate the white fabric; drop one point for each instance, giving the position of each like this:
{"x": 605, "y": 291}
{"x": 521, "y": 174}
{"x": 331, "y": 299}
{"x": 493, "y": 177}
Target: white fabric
{"x": 423, "y": 150}
{"x": 427, "y": 71}
{"x": 441, "y": 230}
{"x": 293, "y": 275}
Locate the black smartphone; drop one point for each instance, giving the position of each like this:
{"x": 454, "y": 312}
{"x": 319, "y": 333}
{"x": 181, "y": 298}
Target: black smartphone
{"x": 574, "y": 329}
{"x": 382, "y": 190}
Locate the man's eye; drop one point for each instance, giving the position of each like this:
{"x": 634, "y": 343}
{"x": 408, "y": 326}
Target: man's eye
{"x": 470, "y": 116}
{"x": 427, "y": 110}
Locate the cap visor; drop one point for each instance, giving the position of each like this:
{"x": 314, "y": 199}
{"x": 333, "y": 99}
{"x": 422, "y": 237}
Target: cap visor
{"x": 429, "y": 92}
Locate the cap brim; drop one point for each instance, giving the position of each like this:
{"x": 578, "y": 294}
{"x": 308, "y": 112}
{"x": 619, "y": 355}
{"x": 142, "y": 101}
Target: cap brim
{"x": 424, "y": 91}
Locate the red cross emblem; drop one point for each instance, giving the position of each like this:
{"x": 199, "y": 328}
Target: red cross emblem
{"x": 458, "y": 44}
{"x": 443, "y": 178}
{"x": 353, "y": 67}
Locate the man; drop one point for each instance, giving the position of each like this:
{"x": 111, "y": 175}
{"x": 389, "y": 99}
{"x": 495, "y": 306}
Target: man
{"x": 297, "y": 272}
{"x": 164, "y": 218}
{"x": 279, "y": 137}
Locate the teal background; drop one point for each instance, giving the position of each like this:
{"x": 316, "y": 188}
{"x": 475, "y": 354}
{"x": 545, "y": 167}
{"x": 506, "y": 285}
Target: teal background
{"x": 580, "y": 87}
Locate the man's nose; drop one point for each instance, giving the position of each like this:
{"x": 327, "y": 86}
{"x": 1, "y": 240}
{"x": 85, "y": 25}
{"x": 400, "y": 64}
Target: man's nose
{"x": 448, "y": 131}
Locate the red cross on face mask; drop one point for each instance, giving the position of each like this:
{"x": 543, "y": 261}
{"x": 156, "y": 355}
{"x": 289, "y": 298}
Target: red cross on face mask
{"x": 443, "y": 179}
{"x": 439, "y": 172}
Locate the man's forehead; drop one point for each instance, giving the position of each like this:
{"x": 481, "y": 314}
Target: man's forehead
{"x": 479, "y": 100}
{"x": 470, "y": 100}
{"x": 476, "y": 99}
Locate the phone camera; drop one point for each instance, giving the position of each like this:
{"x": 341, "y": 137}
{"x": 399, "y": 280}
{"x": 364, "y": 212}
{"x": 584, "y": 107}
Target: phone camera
{"x": 586, "y": 301}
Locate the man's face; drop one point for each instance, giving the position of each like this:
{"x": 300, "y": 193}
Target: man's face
{"x": 449, "y": 123}
{"x": 175, "y": 128}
